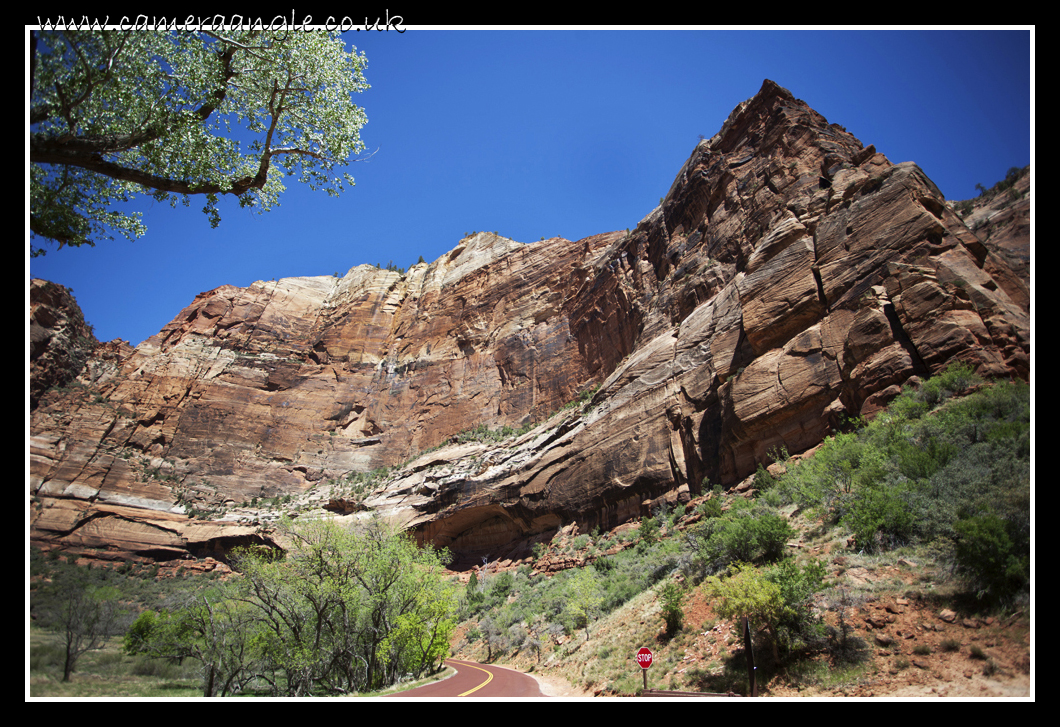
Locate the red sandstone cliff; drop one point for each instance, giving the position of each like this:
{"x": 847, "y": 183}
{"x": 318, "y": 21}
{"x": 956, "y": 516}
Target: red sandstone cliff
{"x": 790, "y": 278}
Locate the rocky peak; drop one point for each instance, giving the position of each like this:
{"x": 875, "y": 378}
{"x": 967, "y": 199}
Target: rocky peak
{"x": 791, "y": 278}
{"x": 60, "y": 341}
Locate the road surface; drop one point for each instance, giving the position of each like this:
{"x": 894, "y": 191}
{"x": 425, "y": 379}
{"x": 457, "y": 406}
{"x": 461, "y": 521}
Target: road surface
{"x": 475, "y": 680}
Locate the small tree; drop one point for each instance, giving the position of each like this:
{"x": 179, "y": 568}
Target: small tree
{"x": 748, "y": 593}
{"x": 493, "y": 636}
{"x": 585, "y": 597}
{"x": 83, "y": 615}
{"x": 672, "y": 611}
{"x": 648, "y": 530}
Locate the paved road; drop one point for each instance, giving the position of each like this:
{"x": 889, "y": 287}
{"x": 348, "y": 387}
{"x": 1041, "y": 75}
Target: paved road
{"x": 478, "y": 680}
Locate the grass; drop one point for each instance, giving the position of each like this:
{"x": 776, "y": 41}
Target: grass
{"x": 110, "y": 673}
{"x": 820, "y": 674}
{"x": 105, "y": 673}
{"x": 950, "y": 645}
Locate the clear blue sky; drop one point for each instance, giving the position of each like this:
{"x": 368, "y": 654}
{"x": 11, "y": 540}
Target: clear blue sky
{"x": 539, "y": 133}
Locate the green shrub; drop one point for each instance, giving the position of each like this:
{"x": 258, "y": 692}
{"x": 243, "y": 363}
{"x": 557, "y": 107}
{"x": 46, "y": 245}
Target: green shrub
{"x": 880, "y": 518}
{"x": 996, "y": 564}
{"x": 710, "y": 508}
{"x": 747, "y": 592}
{"x": 672, "y": 611}
{"x": 648, "y": 530}
{"x": 797, "y": 625}
{"x": 744, "y": 535}
{"x": 763, "y": 480}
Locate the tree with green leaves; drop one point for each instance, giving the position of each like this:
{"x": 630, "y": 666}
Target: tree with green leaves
{"x": 343, "y": 610}
{"x": 349, "y": 609}
{"x": 214, "y": 630}
{"x": 673, "y": 612}
{"x": 584, "y": 597}
{"x": 747, "y": 592}
{"x": 114, "y": 113}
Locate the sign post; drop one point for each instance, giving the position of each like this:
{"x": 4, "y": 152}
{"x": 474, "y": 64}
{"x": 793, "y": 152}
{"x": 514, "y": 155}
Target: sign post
{"x": 644, "y": 657}
{"x": 751, "y": 674}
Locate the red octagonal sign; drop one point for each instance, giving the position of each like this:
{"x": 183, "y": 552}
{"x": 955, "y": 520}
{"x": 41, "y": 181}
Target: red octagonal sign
{"x": 644, "y": 657}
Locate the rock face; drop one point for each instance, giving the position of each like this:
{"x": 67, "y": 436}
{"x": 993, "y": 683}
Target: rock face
{"x": 1002, "y": 218}
{"x": 60, "y": 342}
{"x": 790, "y": 278}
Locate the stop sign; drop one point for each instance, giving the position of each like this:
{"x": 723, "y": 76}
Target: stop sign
{"x": 644, "y": 657}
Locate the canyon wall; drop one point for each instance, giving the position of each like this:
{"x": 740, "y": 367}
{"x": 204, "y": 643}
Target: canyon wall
{"x": 791, "y": 279}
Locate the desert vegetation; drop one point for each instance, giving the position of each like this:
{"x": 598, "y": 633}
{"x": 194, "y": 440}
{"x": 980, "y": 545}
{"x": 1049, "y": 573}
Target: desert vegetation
{"x": 942, "y": 479}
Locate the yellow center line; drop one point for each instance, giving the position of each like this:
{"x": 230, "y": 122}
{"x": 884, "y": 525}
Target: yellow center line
{"x": 488, "y": 673}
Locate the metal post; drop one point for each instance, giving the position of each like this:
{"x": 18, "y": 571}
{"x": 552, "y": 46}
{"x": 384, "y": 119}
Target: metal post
{"x": 750, "y": 658}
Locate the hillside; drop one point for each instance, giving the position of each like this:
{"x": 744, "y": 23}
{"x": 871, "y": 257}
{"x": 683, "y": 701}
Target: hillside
{"x": 918, "y": 600}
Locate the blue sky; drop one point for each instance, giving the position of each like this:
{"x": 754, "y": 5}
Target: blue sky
{"x": 537, "y": 133}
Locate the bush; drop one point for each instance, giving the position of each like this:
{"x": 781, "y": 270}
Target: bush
{"x": 747, "y": 592}
{"x": 763, "y": 481}
{"x": 988, "y": 555}
{"x": 880, "y": 518}
{"x": 672, "y": 611}
{"x": 710, "y": 508}
{"x": 745, "y": 535}
{"x": 797, "y": 626}
{"x": 648, "y": 530}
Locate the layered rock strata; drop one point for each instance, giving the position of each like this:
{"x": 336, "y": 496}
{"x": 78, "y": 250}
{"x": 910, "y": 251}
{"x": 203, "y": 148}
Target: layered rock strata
{"x": 791, "y": 278}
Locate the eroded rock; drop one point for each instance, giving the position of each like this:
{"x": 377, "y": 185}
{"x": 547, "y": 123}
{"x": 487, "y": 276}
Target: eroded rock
{"x": 791, "y": 278}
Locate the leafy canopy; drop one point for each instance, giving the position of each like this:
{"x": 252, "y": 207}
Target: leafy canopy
{"x": 114, "y": 113}
{"x": 343, "y": 610}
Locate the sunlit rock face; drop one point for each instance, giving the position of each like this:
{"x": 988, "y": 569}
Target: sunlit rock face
{"x": 791, "y": 278}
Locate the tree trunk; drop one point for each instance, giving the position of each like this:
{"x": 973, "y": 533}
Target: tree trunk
{"x": 207, "y": 690}
{"x": 68, "y": 664}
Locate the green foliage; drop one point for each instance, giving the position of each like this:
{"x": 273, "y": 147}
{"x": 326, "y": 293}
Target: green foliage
{"x": 777, "y": 599}
{"x": 743, "y": 534}
{"x": 119, "y": 112}
{"x": 673, "y": 613}
{"x": 797, "y": 627}
{"x": 880, "y": 518}
{"x": 482, "y": 433}
{"x": 345, "y": 610}
{"x": 585, "y": 597}
{"x": 648, "y": 530}
{"x": 217, "y": 633}
{"x": 763, "y": 480}
{"x": 930, "y": 461}
{"x": 710, "y": 508}
{"x": 993, "y": 554}
{"x": 83, "y": 614}
{"x": 747, "y": 592}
